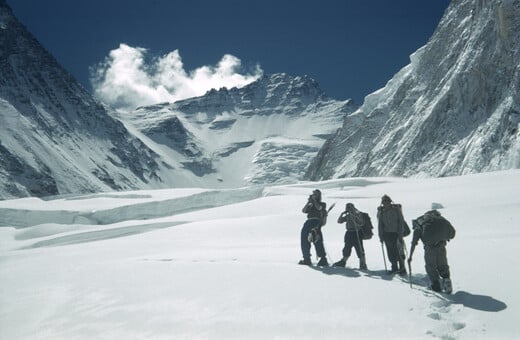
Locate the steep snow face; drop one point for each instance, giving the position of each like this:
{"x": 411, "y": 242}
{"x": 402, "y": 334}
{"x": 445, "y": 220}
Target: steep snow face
{"x": 55, "y": 138}
{"x": 265, "y": 132}
{"x": 455, "y": 109}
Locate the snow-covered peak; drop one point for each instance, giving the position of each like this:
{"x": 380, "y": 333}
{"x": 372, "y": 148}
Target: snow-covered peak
{"x": 269, "y": 94}
{"x": 265, "y": 132}
{"x": 56, "y": 138}
{"x": 453, "y": 110}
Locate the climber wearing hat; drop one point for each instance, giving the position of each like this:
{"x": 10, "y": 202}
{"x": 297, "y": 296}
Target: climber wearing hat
{"x": 316, "y": 211}
{"x": 391, "y": 228}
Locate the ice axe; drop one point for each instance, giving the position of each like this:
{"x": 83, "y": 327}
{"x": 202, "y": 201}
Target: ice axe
{"x": 410, "y": 271}
{"x": 384, "y": 257}
{"x": 412, "y": 249}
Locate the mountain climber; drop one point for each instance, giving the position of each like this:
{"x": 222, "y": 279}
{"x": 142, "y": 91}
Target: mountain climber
{"x": 434, "y": 231}
{"x": 391, "y": 228}
{"x": 316, "y": 211}
{"x": 354, "y": 220}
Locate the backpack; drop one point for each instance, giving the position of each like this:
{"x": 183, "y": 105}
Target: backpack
{"x": 325, "y": 212}
{"x": 406, "y": 229}
{"x": 366, "y": 228}
{"x": 435, "y": 228}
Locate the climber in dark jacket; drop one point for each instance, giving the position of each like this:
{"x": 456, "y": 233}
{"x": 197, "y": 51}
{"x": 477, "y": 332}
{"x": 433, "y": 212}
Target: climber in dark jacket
{"x": 434, "y": 231}
{"x": 311, "y": 230}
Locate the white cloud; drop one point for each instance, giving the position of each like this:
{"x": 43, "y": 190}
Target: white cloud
{"x": 126, "y": 79}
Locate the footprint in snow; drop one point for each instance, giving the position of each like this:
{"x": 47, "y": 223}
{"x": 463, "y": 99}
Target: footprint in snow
{"x": 434, "y": 316}
{"x": 441, "y": 311}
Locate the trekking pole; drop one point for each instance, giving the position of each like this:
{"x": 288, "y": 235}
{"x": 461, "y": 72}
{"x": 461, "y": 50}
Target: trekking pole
{"x": 410, "y": 271}
{"x": 384, "y": 258}
{"x": 412, "y": 249}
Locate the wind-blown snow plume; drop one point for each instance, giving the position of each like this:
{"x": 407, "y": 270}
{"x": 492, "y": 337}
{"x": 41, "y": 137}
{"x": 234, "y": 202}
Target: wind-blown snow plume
{"x": 127, "y": 79}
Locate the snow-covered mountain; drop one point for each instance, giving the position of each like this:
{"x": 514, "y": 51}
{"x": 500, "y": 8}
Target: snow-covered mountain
{"x": 265, "y": 132}
{"x": 455, "y": 109}
{"x": 54, "y": 137}
{"x": 57, "y": 139}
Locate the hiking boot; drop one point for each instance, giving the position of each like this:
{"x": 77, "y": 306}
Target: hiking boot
{"x": 323, "y": 262}
{"x": 340, "y": 263}
{"x": 362, "y": 264}
{"x": 436, "y": 286}
{"x": 306, "y": 262}
{"x": 446, "y": 285}
{"x": 394, "y": 269}
{"x": 402, "y": 267}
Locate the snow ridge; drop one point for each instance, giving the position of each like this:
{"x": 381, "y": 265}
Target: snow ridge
{"x": 56, "y": 138}
{"x": 265, "y": 132}
{"x": 453, "y": 110}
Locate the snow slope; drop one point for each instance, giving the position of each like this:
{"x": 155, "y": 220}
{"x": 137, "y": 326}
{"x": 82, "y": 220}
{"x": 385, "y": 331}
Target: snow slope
{"x": 455, "y": 109}
{"x": 221, "y": 264}
{"x": 264, "y": 133}
{"x": 56, "y": 138}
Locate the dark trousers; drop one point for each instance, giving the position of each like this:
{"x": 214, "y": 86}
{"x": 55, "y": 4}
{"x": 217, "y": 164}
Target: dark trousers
{"x": 306, "y": 245}
{"x": 352, "y": 240}
{"x": 392, "y": 249}
{"x": 436, "y": 262}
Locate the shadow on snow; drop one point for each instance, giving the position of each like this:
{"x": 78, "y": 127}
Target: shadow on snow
{"x": 474, "y": 301}
{"x": 420, "y": 282}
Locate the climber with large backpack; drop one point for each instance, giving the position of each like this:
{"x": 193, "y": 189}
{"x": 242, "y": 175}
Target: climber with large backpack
{"x": 434, "y": 231}
{"x": 391, "y": 229}
{"x": 316, "y": 211}
{"x": 355, "y": 221}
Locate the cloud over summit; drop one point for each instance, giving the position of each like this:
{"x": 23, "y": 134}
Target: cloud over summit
{"x": 127, "y": 79}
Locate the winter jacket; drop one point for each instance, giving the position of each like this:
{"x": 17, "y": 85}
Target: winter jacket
{"x": 434, "y": 231}
{"x": 390, "y": 220}
{"x": 314, "y": 210}
{"x": 354, "y": 221}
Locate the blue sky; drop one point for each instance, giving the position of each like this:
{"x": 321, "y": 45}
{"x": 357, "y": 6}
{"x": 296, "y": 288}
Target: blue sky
{"x": 351, "y": 47}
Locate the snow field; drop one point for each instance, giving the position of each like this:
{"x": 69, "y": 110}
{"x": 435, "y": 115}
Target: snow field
{"x": 227, "y": 268}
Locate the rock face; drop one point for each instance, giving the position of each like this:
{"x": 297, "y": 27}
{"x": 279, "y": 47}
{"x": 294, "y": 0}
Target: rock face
{"x": 455, "y": 109}
{"x": 55, "y": 138}
{"x": 265, "y": 132}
